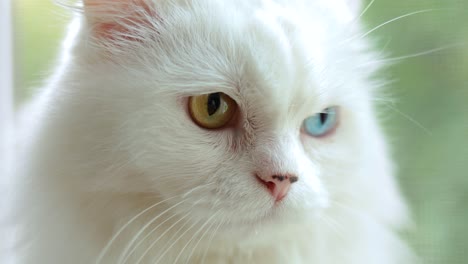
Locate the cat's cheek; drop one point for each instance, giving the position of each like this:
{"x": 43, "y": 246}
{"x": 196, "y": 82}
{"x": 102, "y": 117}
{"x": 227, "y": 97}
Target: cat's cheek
{"x": 330, "y": 138}
{"x": 312, "y": 195}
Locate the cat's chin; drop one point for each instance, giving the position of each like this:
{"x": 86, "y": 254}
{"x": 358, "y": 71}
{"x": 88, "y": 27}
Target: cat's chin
{"x": 278, "y": 222}
{"x": 262, "y": 209}
{"x": 278, "y": 214}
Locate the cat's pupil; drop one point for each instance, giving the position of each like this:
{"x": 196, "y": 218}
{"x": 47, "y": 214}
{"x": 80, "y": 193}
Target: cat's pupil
{"x": 213, "y": 103}
{"x": 323, "y": 117}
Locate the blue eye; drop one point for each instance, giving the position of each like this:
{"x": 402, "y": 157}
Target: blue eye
{"x": 321, "y": 123}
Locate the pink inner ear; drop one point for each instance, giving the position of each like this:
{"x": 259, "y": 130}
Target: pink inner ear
{"x": 114, "y": 6}
{"x": 112, "y": 17}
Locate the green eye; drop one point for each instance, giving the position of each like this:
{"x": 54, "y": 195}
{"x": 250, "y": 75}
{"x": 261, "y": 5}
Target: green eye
{"x": 321, "y": 123}
{"x": 212, "y": 111}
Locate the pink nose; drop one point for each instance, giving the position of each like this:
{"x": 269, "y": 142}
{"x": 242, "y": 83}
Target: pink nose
{"x": 278, "y": 185}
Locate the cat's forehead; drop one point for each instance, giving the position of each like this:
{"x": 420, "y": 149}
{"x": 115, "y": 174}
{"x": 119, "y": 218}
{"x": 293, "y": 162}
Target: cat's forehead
{"x": 278, "y": 53}
{"x": 281, "y": 52}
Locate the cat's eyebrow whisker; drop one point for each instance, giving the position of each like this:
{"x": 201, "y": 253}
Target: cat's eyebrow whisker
{"x": 413, "y": 55}
{"x": 114, "y": 237}
{"x": 386, "y": 23}
{"x": 365, "y": 9}
{"x": 194, "y": 235}
{"x": 396, "y": 19}
{"x": 363, "y": 12}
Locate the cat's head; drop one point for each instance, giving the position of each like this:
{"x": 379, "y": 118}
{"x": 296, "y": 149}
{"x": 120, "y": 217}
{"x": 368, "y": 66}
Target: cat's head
{"x": 244, "y": 111}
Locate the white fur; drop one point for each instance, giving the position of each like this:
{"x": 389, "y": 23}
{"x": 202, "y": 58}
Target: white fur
{"x": 110, "y": 136}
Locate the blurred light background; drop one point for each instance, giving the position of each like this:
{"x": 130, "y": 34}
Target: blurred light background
{"x": 427, "y": 121}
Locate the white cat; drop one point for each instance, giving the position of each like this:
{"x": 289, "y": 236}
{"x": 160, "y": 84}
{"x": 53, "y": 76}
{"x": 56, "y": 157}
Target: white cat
{"x": 208, "y": 131}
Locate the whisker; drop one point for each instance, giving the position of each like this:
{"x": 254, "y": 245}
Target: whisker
{"x": 173, "y": 243}
{"x": 194, "y": 235}
{"x": 366, "y": 9}
{"x": 333, "y": 224}
{"x": 129, "y": 245}
{"x": 396, "y": 19}
{"x": 199, "y": 240}
{"x": 114, "y": 237}
{"x": 383, "y": 48}
{"x": 211, "y": 239}
{"x": 125, "y": 256}
{"x": 409, "y": 118}
{"x": 147, "y": 235}
{"x": 358, "y": 18}
{"x": 162, "y": 235}
{"x": 347, "y": 208}
{"x": 196, "y": 188}
{"x": 418, "y": 54}
{"x": 388, "y": 22}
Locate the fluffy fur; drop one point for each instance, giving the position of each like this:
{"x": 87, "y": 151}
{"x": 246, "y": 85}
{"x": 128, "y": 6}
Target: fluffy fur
{"x": 113, "y": 170}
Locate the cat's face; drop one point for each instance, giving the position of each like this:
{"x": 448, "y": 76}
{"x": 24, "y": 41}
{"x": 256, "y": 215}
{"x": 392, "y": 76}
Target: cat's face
{"x": 281, "y": 65}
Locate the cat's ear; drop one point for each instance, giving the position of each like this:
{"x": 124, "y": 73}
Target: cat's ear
{"x": 113, "y": 18}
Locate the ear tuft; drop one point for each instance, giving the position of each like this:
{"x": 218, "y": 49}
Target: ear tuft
{"x": 111, "y": 18}
{"x": 106, "y": 7}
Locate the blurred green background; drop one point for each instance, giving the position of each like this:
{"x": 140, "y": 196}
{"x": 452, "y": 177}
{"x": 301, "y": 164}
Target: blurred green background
{"x": 427, "y": 122}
